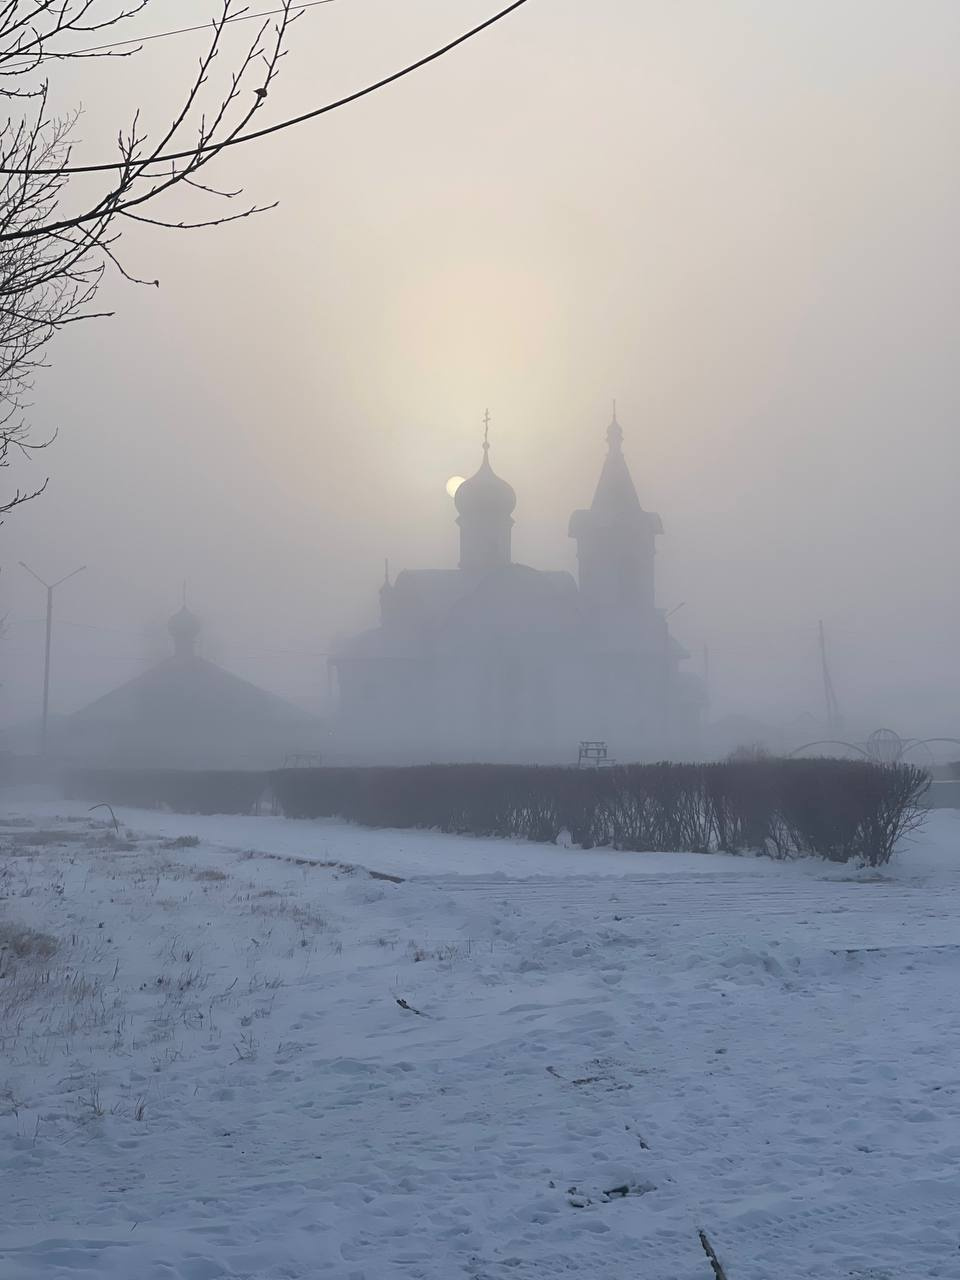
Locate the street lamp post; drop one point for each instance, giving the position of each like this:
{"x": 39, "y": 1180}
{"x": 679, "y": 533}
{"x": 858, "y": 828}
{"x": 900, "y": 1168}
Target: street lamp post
{"x": 666, "y": 682}
{"x": 49, "y": 587}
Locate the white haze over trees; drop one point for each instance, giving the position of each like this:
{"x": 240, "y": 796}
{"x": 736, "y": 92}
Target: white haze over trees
{"x": 739, "y": 220}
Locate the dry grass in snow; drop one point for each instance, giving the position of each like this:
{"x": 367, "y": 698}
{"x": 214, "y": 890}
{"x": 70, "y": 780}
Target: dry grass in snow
{"x": 266, "y": 1066}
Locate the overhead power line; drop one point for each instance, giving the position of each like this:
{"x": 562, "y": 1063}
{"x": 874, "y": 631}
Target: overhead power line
{"x": 177, "y": 31}
{"x": 27, "y": 171}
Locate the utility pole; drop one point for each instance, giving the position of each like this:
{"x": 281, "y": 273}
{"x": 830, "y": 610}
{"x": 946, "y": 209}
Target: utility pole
{"x": 50, "y": 588}
{"x": 667, "y": 690}
{"x": 706, "y": 674}
{"x": 834, "y": 719}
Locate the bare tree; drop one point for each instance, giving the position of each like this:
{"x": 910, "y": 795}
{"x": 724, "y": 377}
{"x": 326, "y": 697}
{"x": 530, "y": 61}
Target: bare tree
{"x": 55, "y": 247}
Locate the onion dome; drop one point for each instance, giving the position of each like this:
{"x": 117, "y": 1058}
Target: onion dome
{"x": 485, "y": 494}
{"x": 184, "y": 628}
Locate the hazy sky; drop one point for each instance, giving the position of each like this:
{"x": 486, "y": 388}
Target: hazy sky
{"x": 739, "y": 217}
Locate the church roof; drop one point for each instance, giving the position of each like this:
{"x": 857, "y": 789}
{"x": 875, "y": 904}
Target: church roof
{"x": 615, "y": 501}
{"x": 186, "y": 712}
{"x": 180, "y": 690}
{"x": 430, "y": 607}
{"x": 433, "y": 591}
{"x": 616, "y": 493}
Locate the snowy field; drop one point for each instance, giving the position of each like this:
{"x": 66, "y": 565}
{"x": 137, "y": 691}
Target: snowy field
{"x": 247, "y": 1056}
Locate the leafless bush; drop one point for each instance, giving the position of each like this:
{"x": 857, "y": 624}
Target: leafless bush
{"x": 842, "y": 810}
{"x": 894, "y": 809}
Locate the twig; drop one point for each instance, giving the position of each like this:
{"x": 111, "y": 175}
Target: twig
{"x": 711, "y": 1253}
{"x": 116, "y": 824}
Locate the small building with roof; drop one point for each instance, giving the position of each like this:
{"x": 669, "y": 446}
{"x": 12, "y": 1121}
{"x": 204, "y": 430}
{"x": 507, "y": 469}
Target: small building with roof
{"x": 499, "y": 661}
{"x": 187, "y": 713}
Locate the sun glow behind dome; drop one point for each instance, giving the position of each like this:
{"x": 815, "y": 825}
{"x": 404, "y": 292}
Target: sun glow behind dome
{"x": 453, "y": 484}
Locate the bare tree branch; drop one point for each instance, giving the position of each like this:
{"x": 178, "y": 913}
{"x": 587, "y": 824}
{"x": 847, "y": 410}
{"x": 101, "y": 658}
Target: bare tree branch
{"x": 52, "y": 260}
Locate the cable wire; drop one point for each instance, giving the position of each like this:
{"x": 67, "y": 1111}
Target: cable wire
{"x": 281, "y": 124}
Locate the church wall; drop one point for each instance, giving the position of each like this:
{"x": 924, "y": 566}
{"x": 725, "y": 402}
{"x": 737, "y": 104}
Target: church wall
{"x": 613, "y": 575}
{"x": 511, "y": 707}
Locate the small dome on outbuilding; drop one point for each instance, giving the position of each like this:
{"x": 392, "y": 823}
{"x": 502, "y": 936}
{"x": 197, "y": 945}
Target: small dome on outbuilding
{"x": 184, "y": 628}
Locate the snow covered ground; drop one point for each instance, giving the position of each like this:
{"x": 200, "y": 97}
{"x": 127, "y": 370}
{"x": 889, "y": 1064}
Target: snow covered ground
{"x": 206, "y": 1069}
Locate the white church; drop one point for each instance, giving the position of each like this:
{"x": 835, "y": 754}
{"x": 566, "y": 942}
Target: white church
{"x": 496, "y": 661}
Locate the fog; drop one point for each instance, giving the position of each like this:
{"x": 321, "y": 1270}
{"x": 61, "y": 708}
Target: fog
{"x": 738, "y": 219}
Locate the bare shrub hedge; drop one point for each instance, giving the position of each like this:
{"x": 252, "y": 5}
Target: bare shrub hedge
{"x": 182, "y": 790}
{"x": 841, "y": 810}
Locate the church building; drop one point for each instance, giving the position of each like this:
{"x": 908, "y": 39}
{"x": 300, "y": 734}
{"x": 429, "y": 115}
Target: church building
{"x": 496, "y": 661}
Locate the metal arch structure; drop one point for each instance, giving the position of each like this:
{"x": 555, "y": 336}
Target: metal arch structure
{"x": 829, "y": 742}
{"x": 925, "y": 742}
{"x": 884, "y": 746}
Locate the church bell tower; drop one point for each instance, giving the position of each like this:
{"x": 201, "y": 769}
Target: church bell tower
{"x": 616, "y": 539}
